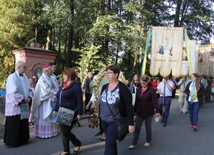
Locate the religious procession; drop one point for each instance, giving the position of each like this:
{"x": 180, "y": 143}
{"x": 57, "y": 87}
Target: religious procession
{"x": 92, "y": 93}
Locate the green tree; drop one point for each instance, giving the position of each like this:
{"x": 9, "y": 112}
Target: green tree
{"x": 15, "y": 31}
{"x": 100, "y": 30}
{"x": 196, "y": 16}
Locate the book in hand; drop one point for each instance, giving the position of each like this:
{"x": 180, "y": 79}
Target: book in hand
{"x": 52, "y": 119}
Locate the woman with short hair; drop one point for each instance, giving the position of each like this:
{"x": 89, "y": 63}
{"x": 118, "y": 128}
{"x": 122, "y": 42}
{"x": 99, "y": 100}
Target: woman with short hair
{"x": 117, "y": 99}
{"x": 69, "y": 96}
{"x": 145, "y": 105}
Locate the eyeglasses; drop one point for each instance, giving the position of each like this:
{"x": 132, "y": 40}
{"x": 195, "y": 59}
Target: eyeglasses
{"x": 109, "y": 72}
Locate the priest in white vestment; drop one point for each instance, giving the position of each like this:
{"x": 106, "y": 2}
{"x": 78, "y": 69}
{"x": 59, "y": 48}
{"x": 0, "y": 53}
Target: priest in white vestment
{"x": 18, "y": 98}
{"x": 42, "y": 105}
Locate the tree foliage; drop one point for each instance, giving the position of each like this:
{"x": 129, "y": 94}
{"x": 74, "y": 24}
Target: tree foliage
{"x": 196, "y": 16}
{"x": 88, "y": 34}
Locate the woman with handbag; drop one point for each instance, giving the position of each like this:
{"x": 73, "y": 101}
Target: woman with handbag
{"x": 115, "y": 103}
{"x": 145, "y": 105}
{"x": 69, "y": 96}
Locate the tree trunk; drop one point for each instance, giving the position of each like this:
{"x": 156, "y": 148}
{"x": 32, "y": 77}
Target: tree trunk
{"x": 70, "y": 37}
{"x": 48, "y": 42}
{"x": 177, "y": 13}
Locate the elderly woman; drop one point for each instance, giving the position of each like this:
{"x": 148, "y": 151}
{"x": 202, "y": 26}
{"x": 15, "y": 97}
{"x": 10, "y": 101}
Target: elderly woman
{"x": 69, "y": 96}
{"x": 119, "y": 99}
{"x": 194, "y": 90}
{"x": 145, "y": 105}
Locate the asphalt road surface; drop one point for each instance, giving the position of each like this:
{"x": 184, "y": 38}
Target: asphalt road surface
{"x": 175, "y": 139}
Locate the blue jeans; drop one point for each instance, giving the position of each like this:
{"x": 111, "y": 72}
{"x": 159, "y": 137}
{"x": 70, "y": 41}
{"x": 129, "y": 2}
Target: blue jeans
{"x": 138, "y": 125}
{"x": 167, "y": 104}
{"x": 111, "y": 137}
{"x": 193, "y": 112}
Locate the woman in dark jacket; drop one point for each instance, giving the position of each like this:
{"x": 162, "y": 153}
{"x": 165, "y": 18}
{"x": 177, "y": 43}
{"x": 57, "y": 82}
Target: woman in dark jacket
{"x": 134, "y": 85}
{"x": 145, "y": 105}
{"x": 117, "y": 96}
{"x": 194, "y": 90}
{"x": 69, "y": 96}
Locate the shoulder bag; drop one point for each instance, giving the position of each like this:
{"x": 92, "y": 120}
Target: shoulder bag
{"x": 65, "y": 116}
{"x": 121, "y": 124}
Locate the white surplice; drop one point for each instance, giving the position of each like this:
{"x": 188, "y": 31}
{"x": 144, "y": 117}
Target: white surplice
{"x": 42, "y": 108}
{"x": 13, "y": 96}
{"x": 16, "y": 112}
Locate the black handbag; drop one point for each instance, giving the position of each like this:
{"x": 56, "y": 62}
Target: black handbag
{"x": 65, "y": 116}
{"x": 121, "y": 124}
{"x": 122, "y": 128}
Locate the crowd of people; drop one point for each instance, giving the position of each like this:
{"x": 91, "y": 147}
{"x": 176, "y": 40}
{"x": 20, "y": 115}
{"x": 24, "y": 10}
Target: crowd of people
{"x": 34, "y": 102}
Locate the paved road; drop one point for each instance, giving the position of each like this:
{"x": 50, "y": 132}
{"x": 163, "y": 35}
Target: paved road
{"x": 175, "y": 139}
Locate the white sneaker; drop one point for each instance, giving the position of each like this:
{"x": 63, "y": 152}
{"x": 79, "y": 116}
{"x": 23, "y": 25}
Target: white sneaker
{"x": 147, "y": 144}
{"x": 131, "y": 147}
